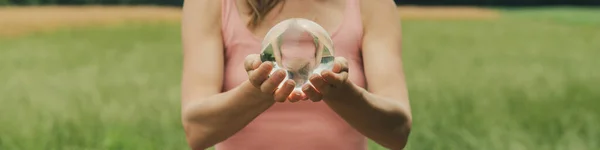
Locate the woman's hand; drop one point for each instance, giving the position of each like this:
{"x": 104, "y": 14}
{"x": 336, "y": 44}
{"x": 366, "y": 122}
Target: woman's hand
{"x": 267, "y": 87}
{"x": 330, "y": 84}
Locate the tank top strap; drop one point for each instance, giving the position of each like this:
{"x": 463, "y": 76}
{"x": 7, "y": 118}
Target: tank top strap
{"x": 351, "y": 28}
{"x": 353, "y": 10}
{"x": 232, "y": 25}
{"x": 229, "y": 19}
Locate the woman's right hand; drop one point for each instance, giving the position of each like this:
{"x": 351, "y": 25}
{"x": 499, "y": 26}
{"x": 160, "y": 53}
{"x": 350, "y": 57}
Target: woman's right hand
{"x": 267, "y": 87}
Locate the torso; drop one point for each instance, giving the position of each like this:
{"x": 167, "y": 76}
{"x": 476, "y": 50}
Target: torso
{"x": 301, "y": 125}
{"x": 328, "y": 13}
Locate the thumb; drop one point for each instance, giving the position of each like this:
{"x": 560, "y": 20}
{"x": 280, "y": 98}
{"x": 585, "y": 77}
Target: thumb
{"x": 252, "y": 62}
{"x": 340, "y": 64}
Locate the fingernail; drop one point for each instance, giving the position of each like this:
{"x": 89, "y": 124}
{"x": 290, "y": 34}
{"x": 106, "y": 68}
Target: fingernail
{"x": 313, "y": 76}
{"x": 325, "y": 74}
{"x": 267, "y": 63}
{"x": 305, "y": 88}
{"x": 281, "y": 73}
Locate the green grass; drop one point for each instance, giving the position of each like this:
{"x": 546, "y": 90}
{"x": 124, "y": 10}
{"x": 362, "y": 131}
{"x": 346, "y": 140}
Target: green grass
{"x": 515, "y": 83}
{"x": 566, "y": 15}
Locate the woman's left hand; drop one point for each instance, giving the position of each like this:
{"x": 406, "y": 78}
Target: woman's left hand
{"x": 330, "y": 84}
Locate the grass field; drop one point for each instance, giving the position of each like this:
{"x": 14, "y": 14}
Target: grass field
{"x": 529, "y": 79}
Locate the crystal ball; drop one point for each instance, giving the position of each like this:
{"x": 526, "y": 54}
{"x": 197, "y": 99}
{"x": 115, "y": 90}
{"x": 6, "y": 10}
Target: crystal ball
{"x": 299, "y": 46}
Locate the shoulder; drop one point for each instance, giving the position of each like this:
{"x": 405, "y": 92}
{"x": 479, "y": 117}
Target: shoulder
{"x": 206, "y": 10}
{"x": 374, "y": 5}
{"x": 207, "y": 6}
{"x": 371, "y": 9}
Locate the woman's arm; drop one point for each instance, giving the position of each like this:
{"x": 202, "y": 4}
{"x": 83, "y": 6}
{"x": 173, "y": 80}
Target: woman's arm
{"x": 209, "y": 116}
{"x": 382, "y": 113}
{"x": 388, "y": 117}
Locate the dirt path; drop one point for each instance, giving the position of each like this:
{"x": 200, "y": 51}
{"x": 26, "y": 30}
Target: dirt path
{"x": 20, "y": 20}
{"x": 446, "y": 13}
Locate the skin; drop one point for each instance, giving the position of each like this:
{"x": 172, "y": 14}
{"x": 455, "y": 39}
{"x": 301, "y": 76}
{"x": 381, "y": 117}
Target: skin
{"x": 381, "y": 113}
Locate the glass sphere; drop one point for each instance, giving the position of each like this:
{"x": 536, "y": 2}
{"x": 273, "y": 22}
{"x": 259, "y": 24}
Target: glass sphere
{"x": 299, "y": 46}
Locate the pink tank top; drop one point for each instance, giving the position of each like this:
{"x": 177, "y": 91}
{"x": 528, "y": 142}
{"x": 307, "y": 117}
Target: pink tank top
{"x": 289, "y": 126}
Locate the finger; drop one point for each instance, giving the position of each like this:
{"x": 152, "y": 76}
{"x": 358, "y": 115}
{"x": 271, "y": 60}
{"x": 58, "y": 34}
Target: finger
{"x": 312, "y": 93}
{"x": 282, "y": 94}
{"x": 334, "y": 79}
{"x": 340, "y": 65}
{"x": 271, "y": 84}
{"x": 295, "y": 96}
{"x": 258, "y": 76}
{"x": 255, "y": 66}
{"x": 251, "y": 62}
{"x": 304, "y": 97}
{"x": 318, "y": 83}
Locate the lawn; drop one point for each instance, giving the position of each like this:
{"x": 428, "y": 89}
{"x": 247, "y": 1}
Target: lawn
{"x": 528, "y": 80}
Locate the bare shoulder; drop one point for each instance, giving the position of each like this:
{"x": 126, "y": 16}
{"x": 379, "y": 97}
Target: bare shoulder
{"x": 208, "y": 7}
{"x": 377, "y": 4}
{"x": 381, "y": 47}
{"x": 373, "y": 9}
{"x": 202, "y": 48}
{"x": 206, "y": 11}
{"x": 380, "y": 17}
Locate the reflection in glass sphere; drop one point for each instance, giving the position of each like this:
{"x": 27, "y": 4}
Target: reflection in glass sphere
{"x": 299, "y": 46}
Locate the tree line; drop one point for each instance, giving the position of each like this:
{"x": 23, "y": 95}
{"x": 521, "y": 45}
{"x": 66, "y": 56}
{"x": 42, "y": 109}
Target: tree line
{"x": 500, "y": 2}
{"x": 92, "y": 2}
{"x": 399, "y": 2}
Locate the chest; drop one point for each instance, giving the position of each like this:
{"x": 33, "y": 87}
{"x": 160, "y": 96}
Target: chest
{"x": 343, "y": 21}
{"x": 327, "y": 13}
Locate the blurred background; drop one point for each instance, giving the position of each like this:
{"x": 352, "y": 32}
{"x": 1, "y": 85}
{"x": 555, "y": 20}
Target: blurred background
{"x": 482, "y": 74}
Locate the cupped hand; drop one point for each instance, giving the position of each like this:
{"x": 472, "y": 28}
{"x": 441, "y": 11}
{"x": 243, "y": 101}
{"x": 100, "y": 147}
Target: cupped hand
{"x": 259, "y": 74}
{"x": 329, "y": 83}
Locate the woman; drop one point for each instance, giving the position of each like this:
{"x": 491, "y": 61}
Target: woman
{"x": 229, "y": 100}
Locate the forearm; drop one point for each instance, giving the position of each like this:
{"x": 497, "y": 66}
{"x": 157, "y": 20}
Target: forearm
{"x": 209, "y": 120}
{"x": 382, "y": 119}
